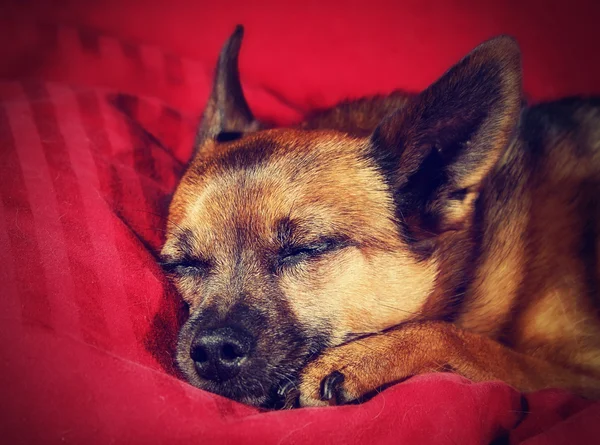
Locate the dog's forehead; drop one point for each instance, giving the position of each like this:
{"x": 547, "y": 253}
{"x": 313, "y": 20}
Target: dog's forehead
{"x": 322, "y": 178}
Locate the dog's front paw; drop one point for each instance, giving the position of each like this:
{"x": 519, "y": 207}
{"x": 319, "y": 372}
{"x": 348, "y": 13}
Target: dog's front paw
{"x": 332, "y": 379}
{"x": 358, "y": 369}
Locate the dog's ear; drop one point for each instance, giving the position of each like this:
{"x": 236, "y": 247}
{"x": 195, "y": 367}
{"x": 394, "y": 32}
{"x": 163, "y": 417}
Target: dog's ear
{"x": 437, "y": 151}
{"x": 227, "y": 114}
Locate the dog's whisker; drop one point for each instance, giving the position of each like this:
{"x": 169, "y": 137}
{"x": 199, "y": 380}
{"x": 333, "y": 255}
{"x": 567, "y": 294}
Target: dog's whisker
{"x": 158, "y": 215}
{"x": 164, "y": 218}
{"x": 396, "y": 308}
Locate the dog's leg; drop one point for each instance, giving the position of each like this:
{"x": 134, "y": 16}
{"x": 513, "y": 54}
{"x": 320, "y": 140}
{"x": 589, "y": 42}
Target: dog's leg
{"x": 350, "y": 371}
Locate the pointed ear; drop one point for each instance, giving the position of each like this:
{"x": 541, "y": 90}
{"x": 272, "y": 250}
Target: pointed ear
{"x": 437, "y": 151}
{"x": 227, "y": 113}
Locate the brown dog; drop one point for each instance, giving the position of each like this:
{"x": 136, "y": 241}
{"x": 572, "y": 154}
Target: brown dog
{"x": 392, "y": 236}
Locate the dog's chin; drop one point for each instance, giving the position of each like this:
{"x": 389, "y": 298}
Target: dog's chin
{"x": 234, "y": 391}
{"x": 247, "y": 389}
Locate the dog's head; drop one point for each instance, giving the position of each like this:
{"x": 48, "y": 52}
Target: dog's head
{"x": 284, "y": 242}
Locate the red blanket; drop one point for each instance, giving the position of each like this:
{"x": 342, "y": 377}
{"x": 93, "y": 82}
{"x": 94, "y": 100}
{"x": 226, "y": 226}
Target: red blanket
{"x": 88, "y": 320}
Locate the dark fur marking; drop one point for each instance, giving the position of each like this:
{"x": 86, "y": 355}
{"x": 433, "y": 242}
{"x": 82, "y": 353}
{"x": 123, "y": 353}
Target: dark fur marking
{"x": 248, "y": 156}
{"x": 414, "y": 199}
{"x": 185, "y": 242}
{"x": 545, "y": 121}
{"x": 228, "y": 136}
{"x": 284, "y": 230}
{"x": 589, "y": 210}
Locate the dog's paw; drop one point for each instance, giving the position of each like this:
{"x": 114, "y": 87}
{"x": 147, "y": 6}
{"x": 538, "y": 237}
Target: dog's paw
{"x": 332, "y": 379}
{"x": 358, "y": 369}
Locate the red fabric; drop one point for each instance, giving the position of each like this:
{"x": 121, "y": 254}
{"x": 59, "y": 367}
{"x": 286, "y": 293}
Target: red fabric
{"x": 88, "y": 321}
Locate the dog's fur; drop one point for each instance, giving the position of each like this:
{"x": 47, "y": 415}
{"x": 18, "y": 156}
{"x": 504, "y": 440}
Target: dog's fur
{"x": 453, "y": 230}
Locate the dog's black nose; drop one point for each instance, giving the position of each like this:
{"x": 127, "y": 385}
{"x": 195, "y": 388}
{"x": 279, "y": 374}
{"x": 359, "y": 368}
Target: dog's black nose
{"x": 220, "y": 354}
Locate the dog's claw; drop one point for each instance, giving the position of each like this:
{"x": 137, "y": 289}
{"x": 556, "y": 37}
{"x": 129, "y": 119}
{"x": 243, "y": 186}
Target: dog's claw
{"x": 288, "y": 395}
{"x": 330, "y": 385}
{"x": 283, "y": 389}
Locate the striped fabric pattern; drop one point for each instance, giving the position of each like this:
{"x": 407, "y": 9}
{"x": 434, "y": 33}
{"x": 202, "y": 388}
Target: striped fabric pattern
{"x": 84, "y": 198}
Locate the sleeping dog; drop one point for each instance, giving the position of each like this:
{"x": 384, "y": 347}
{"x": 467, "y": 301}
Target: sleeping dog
{"x": 452, "y": 230}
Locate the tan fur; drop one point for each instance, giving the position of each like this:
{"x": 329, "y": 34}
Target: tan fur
{"x": 373, "y": 275}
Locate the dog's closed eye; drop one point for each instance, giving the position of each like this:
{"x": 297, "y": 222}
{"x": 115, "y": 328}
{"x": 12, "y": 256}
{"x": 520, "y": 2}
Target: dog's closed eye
{"x": 293, "y": 255}
{"x": 186, "y": 267}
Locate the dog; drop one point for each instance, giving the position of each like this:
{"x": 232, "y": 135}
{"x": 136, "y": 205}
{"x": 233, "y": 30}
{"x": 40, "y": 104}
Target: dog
{"x": 455, "y": 230}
